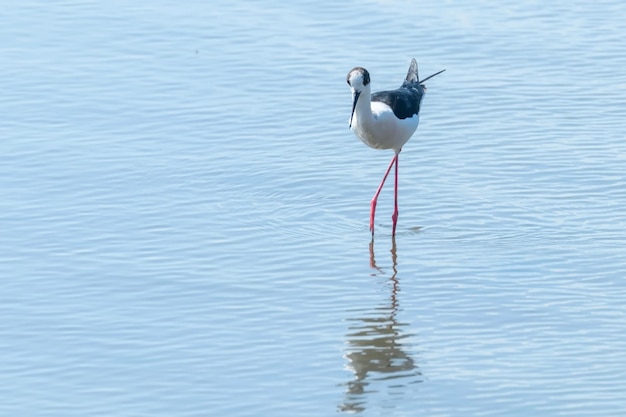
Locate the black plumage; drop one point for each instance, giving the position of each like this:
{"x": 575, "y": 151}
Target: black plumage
{"x": 404, "y": 101}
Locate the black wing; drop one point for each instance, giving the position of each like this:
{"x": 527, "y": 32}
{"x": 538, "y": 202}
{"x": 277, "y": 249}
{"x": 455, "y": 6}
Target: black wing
{"x": 405, "y": 101}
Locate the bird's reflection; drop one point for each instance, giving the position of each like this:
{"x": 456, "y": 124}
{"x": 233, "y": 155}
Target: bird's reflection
{"x": 375, "y": 352}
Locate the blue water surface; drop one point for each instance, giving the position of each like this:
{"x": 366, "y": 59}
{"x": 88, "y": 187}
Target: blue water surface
{"x": 184, "y": 212}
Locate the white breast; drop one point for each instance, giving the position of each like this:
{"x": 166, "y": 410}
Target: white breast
{"x": 385, "y": 130}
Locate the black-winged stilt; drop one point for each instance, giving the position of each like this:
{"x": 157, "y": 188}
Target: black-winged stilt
{"x": 386, "y": 120}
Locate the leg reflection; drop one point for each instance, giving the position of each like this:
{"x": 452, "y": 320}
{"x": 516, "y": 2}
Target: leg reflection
{"x": 375, "y": 352}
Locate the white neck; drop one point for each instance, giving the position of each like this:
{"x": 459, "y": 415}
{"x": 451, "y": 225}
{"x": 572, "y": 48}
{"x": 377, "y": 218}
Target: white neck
{"x": 363, "y": 111}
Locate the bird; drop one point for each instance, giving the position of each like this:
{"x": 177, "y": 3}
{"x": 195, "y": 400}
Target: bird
{"x": 386, "y": 120}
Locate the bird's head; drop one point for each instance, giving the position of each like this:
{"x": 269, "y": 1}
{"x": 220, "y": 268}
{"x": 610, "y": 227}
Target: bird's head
{"x": 359, "y": 81}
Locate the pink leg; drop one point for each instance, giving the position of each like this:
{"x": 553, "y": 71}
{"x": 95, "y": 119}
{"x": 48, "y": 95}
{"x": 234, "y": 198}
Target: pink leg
{"x": 380, "y": 187}
{"x": 394, "y": 217}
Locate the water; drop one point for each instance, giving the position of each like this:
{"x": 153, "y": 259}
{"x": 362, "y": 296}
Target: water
{"x": 184, "y": 212}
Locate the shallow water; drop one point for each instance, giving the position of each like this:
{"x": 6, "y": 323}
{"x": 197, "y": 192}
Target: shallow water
{"x": 185, "y": 212}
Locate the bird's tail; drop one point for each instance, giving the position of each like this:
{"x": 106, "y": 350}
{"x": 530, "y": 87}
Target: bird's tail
{"x": 431, "y": 76}
{"x": 411, "y": 76}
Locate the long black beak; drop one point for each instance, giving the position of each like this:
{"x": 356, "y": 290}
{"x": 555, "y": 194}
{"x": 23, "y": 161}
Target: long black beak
{"x": 356, "y": 98}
